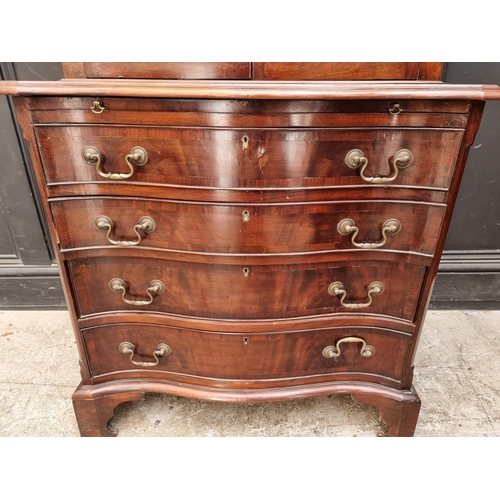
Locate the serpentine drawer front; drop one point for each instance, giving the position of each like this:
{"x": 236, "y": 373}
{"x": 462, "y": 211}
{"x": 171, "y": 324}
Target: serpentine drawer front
{"x": 248, "y": 241}
{"x": 250, "y": 158}
{"x": 247, "y": 229}
{"x": 235, "y": 290}
{"x": 331, "y": 354}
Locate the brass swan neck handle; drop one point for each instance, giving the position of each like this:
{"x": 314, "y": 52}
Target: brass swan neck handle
{"x": 156, "y": 287}
{"x": 337, "y": 289}
{"x": 389, "y": 227}
{"x": 105, "y": 224}
{"x": 137, "y": 157}
{"x": 356, "y": 158}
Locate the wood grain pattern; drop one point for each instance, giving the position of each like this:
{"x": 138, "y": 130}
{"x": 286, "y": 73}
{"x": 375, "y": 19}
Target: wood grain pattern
{"x": 246, "y": 357}
{"x": 431, "y": 71}
{"x": 167, "y": 70}
{"x": 274, "y": 119}
{"x": 206, "y": 194}
{"x": 79, "y": 107}
{"x": 400, "y": 413}
{"x": 23, "y": 116}
{"x": 219, "y": 158}
{"x": 93, "y": 414}
{"x": 275, "y": 149}
{"x": 269, "y": 71}
{"x": 274, "y": 325}
{"x": 94, "y": 404}
{"x": 469, "y": 136}
{"x": 252, "y": 259}
{"x": 336, "y": 71}
{"x": 192, "y": 89}
{"x": 277, "y": 228}
{"x": 223, "y": 291}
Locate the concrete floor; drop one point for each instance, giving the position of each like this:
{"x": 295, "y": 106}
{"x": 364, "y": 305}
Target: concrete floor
{"x": 457, "y": 376}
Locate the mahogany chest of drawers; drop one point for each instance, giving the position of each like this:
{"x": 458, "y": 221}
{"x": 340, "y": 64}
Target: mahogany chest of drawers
{"x": 247, "y": 241}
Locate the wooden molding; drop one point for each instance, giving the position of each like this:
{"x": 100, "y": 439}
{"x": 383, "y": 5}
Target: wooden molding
{"x": 302, "y": 90}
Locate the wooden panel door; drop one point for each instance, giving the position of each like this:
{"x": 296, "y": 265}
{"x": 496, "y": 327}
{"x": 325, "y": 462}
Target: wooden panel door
{"x": 347, "y": 71}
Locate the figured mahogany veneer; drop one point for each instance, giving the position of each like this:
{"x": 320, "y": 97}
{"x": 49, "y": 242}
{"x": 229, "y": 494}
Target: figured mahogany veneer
{"x": 180, "y": 111}
{"x": 270, "y": 71}
{"x": 191, "y": 70}
{"x": 247, "y": 186}
{"x": 239, "y": 357}
{"x": 247, "y": 228}
{"x": 249, "y": 158}
{"x": 236, "y": 291}
{"x": 347, "y": 71}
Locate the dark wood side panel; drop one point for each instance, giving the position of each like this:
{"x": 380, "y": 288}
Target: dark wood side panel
{"x": 73, "y": 70}
{"x": 160, "y": 70}
{"x": 336, "y": 71}
{"x": 24, "y": 121}
{"x": 431, "y": 71}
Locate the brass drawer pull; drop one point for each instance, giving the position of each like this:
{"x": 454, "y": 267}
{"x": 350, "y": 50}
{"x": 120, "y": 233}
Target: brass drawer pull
{"x": 156, "y": 287}
{"x": 161, "y": 350}
{"x": 395, "y": 108}
{"x": 97, "y": 107}
{"x": 136, "y": 158}
{"x": 337, "y": 288}
{"x": 356, "y": 158}
{"x": 104, "y": 223}
{"x": 348, "y": 226}
{"x": 331, "y": 351}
